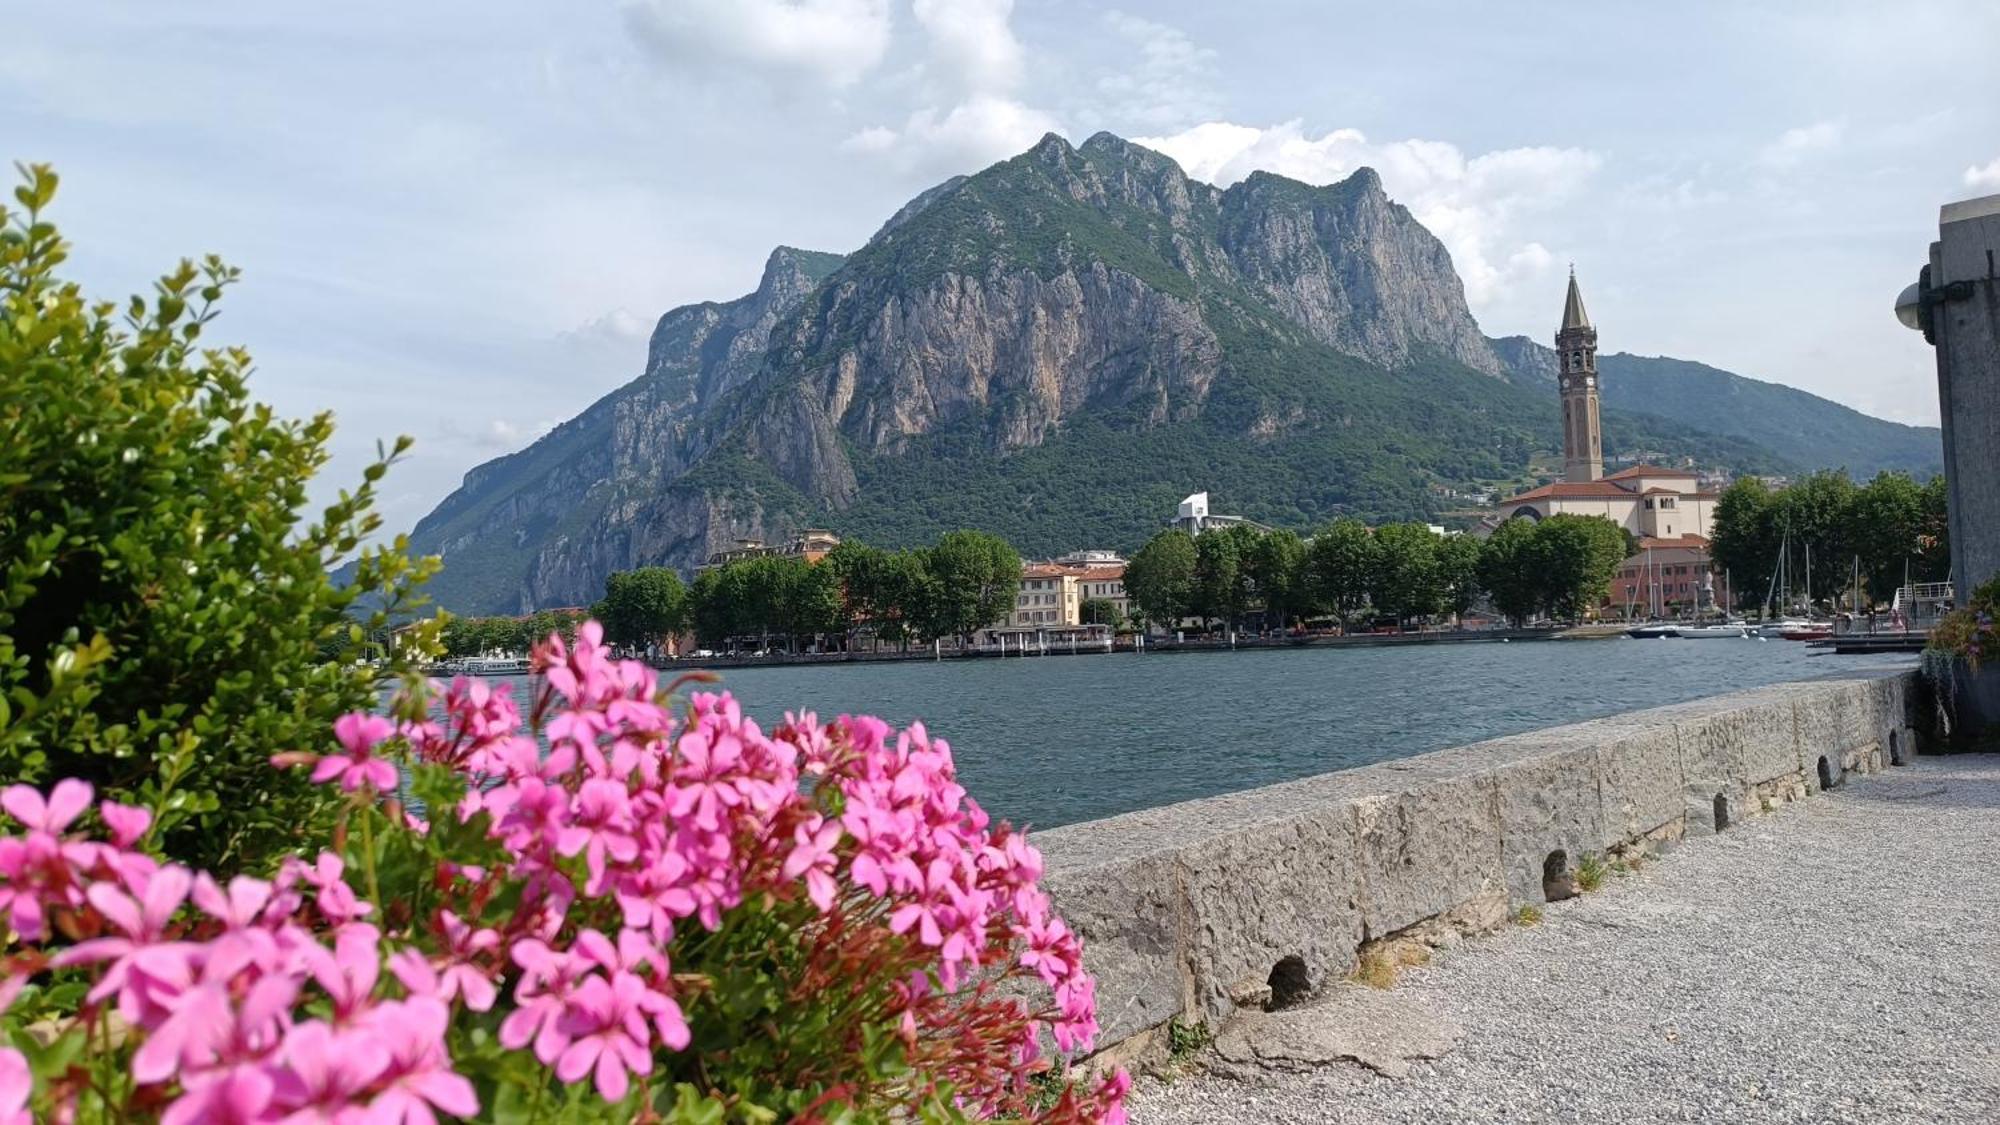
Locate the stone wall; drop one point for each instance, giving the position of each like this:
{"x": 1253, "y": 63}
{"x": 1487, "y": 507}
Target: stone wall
{"x": 1189, "y": 910}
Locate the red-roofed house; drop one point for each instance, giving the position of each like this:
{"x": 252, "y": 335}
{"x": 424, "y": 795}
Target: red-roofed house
{"x": 1644, "y": 500}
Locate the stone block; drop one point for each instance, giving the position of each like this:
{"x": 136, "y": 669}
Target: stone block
{"x": 1751, "y": 738}
{"x": 1267, "y": 892}
{"x": 1128, "y": 910}
{"x": 1641, "y": 782}
{"x": 1549, "y": 805}
{"x": 1425, "y": 849}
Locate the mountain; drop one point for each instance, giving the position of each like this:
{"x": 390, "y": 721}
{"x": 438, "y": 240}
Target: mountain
{"x": 1055, "y": 349}
{"x": 1793, "y": 425}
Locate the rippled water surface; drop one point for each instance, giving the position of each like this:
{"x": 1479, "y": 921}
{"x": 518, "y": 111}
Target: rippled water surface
{"x": 1050, "y": 740}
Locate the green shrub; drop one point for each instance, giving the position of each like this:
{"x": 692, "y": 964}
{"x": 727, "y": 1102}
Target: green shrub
{"x": 167, "y": 619}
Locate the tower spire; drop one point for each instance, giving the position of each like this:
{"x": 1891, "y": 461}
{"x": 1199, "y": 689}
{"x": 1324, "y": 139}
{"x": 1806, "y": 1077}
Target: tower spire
{"x": 1573, "y": 314}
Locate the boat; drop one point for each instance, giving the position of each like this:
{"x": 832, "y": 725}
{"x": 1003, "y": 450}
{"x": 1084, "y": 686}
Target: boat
{"x": 1711, "y": 632}
{"x": 1657, "y": 629}
{"x": 1809, "y": 631}
{"x": 1781, "y": 627}
{"x": 494, "y": 666}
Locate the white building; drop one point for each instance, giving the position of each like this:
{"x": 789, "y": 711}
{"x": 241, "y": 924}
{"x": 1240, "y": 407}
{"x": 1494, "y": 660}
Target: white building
{"x": 1194, "y": 517}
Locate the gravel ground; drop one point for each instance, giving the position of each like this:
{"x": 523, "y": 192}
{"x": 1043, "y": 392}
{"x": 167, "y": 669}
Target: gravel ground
{"x": 1837, "y": 960}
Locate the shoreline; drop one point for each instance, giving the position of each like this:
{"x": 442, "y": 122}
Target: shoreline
{"x": 1362, "y": 640}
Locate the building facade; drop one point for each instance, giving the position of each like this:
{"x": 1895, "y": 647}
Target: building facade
{"x": 1050, "y": 598}
{"x": 811, "y": 545}
{"x": 1194, "y": 517}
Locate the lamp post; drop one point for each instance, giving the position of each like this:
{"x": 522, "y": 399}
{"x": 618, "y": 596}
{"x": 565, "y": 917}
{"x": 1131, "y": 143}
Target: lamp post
{"x": 1955, "y": 303}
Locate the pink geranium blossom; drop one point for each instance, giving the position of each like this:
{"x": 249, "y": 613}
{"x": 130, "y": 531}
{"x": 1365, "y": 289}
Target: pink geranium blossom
{"x": 359, "y": 734}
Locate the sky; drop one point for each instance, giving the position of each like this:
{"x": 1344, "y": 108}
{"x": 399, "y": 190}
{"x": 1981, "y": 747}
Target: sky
{"x": 459, "y": 221}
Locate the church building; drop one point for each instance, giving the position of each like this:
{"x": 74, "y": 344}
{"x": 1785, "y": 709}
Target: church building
{"x": 1664, "y": 509}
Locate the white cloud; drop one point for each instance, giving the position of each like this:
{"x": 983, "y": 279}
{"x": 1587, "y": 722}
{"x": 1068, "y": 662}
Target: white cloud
{"x": 1173, "y": 83}
{"x": 617, "y": 327}
{"x": 1479, "y": 207}
{"x": 970, "y": 135}
{"x": 973, "y": 64}
{"x": 972, "y": 47}
{"x": 835, "y": 41}
{"x": 1986, "y": 177}
{"x": 1795, "y": 146}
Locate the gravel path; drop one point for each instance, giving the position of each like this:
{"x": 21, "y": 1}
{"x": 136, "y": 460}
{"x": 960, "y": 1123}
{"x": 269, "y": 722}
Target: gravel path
{"x": 1835, "y": 961}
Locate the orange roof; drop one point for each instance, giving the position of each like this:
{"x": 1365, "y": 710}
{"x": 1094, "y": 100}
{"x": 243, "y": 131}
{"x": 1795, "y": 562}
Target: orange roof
{"x": 1044, "y": 570}
{"x": 1690, "y": 542}
{"x": 1575, "y": 490}
{"x": 1102, "y": 573}
{"x": 1651, "y": 471}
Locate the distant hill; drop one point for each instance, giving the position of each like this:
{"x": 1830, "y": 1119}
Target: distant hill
{"x": 1056, "y": 349}
{"x": 1793, "y": 425}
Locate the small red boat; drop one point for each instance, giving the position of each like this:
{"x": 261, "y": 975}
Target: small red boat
{"x": 1810, "y": 633}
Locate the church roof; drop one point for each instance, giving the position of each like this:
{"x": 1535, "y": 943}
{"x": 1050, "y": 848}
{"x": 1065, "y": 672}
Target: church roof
{"x": 1575, "y": 490}
{"x": 1651, "y": 471}
{"x": 1573, "y": 314}
{"x": 1683, "y": 542}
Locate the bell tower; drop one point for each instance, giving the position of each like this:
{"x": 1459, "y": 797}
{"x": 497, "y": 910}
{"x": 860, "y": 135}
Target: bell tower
{"x": 1576, "y": 358}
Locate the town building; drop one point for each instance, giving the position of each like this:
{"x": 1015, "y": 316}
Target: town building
{"x": 812, "y": 545}
{"x": 1669, "y": 512}
{"x": 1106, "y": 583}
{"x": 1194, "y": 517}
{"x": 1050, "y": 597}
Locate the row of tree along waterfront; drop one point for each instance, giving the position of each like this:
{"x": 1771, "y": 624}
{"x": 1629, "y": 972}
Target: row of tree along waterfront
{"x": 1350, "y": 573}
{"x": 1245, "y": 578}
{"x": 1234, "y": 579}
{"x": 1894, "y": 527}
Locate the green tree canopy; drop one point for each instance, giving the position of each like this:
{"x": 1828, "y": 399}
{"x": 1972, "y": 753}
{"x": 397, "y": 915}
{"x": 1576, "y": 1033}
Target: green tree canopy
{"x": 1458, "y": 573}
{"x": 1340, "y": 565}
{"x": 165, "y": 606}
{"x": 1276, "y": 567}
{"x": 1160, "y": 578}
{"x": 975, "y": 577}
{"x": 1576, "y": 557}
{"x": 1507, "y": 570}
{"x": 642, "y": 606}
{"x": 1406, "y": 581}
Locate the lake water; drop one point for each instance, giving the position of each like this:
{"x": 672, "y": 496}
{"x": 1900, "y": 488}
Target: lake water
{"x": 1050, "y": 740}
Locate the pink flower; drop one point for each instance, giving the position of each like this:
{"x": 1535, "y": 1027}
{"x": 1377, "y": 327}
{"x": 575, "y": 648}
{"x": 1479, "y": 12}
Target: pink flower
{"x": 460, "y": 978}
{"x": 239, "y": 1095}
{"x": 142, "y": 918}
{"x": 348, "y": 973}
{"x": 326, "y": 1071}
{"x": 126, "y": 823}
{"x": 336, "y": 901}
{"x": 812, "y": 856}
{"x": 541, "y": 996}
{"x": 65, "y": 803}
{"x": 17, "y": 1085}
{"x": 360, "y": 733}
{"x": 419, "y": 1075}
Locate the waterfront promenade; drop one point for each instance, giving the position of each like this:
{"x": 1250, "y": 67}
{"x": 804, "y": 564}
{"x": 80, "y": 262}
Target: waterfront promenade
{"x": 1833, "y": 961}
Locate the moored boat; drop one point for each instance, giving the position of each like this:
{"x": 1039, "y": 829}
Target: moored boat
{"x": 1653, "y": 630}
{"x": 1711, "y": 632}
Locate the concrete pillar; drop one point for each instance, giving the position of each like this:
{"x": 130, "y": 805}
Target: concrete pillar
{"x": 1965, "y": 326}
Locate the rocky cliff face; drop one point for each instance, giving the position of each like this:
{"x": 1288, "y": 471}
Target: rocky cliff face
{"x": 1080, "y": 328}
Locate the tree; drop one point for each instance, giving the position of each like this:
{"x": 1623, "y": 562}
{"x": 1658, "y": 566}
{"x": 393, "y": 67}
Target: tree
{"x": 1458, "y": 573}
{"x": 1817, "y": 509}
{"x": 1507, "y": 570}
{"x": 642, "y": 606}
{"x": 1406, "y": 581}
{"x": 1160, "y": 578}
{"x": 167, "y": 614}
{"x": 975, "y": 577}
{"x": 816, "y": 606}
{"x": 1576, "y": 557}
{"x": 1098, "y": 611}
{"x": 1340, "y": 564}
{"x": 1886, "y": 524}
{"x": 1218, "y": 579}
{"x": 709, "y": 607}
{"x": 1746, "y": 538}
{"x": 1276, "y": 567}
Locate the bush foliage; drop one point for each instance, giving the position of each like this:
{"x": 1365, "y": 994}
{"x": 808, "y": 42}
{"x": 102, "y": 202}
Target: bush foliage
{"x": 166, "y": 612}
